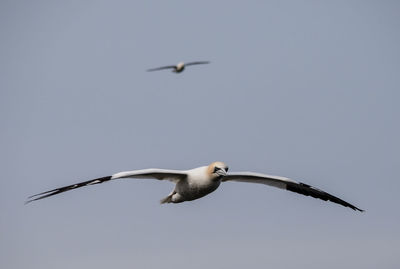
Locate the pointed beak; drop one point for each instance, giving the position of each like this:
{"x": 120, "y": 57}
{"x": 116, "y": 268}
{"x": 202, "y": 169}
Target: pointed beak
{"x": 221, "y": 172}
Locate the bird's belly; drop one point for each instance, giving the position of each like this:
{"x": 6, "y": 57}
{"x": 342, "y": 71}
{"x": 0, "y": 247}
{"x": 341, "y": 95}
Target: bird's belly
{"x": 192, "y": 191}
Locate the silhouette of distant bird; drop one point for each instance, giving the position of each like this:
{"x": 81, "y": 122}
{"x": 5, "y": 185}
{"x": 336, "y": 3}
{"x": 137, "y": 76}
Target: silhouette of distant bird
{"x": 179, "y": 67}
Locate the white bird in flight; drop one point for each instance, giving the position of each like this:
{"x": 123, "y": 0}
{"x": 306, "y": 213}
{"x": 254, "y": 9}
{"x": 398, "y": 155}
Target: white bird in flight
{"x": 198, "y": 182}
{"x": 179, "y": 67}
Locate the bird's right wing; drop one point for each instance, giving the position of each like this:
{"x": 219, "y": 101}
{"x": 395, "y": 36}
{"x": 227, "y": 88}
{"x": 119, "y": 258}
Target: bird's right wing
{"x": 198, "y": 62}
{"x": 155, "y": 173}
{"x": 161, "y": 68}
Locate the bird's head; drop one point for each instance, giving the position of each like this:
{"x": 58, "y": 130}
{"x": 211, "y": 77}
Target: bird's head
{"x": 217, "y": 170}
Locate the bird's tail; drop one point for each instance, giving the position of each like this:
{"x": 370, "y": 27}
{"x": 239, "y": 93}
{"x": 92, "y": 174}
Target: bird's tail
{"x": 167, "y": 199}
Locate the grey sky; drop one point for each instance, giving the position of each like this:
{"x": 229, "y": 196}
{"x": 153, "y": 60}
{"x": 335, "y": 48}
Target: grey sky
{"x": 303, "y": 89}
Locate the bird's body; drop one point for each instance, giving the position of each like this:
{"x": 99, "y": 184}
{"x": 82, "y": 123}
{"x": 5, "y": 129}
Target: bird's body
{"x": 178, "y": 68}
{"x": 199, "y": 182}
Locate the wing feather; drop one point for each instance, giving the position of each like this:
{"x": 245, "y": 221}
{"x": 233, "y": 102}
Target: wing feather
{"x": 287, "y": 184}
{"x": 160, "y": 174}
{"x": 161, "y": 68}
{"x": 198, "y": 62}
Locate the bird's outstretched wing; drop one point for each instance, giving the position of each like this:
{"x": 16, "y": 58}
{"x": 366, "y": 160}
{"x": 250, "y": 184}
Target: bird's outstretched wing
{"x": 161, "y": 68}
{"x": 160, "y": 174}
{"x": 199, "y": 62}
{"x": 287, "y": 184}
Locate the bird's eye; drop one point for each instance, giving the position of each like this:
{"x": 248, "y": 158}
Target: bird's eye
{"x": 216, "y": 169}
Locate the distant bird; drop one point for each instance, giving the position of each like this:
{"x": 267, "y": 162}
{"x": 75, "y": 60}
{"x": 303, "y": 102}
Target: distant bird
{"x": 198, "y": 182}
{"x": 177, "y": 68}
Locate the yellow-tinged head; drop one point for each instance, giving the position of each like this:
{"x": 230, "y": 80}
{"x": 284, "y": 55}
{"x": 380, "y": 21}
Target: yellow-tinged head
{"x": 217, "y": 170}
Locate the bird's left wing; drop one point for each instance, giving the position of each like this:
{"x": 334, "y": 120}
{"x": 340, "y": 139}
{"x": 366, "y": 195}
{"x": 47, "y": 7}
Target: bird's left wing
{"x": 287, "y": 184}
{"x": 199, "y": 62}
{"x": 155, "y": 173}
{"x": 161, "y": 68}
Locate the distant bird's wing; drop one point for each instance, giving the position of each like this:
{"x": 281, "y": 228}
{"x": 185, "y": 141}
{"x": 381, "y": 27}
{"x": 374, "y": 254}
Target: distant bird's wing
{"x": 287, "y": 184}
{"x": 160, "y": 174}
{"x": 200, "y": 62}
{"x": 161, "y": 68}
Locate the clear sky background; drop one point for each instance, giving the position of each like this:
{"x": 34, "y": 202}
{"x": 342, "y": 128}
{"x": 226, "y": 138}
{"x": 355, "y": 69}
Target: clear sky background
{"x": 303, "y": 89}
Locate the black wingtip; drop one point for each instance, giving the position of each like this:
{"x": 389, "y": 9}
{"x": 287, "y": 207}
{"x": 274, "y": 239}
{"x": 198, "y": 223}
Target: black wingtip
{"x": 308, "y": 190}
{"x": 46, "y": 194}
{"x": 358, "y": 209}
{"x": 29, "y": 201}
{"x": 346, "y": 204}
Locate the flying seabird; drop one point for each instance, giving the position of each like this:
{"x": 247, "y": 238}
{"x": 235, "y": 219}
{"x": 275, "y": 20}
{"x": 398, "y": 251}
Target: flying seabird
{"x": 198, "y": 182}
{"x": 179, "y": 67}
